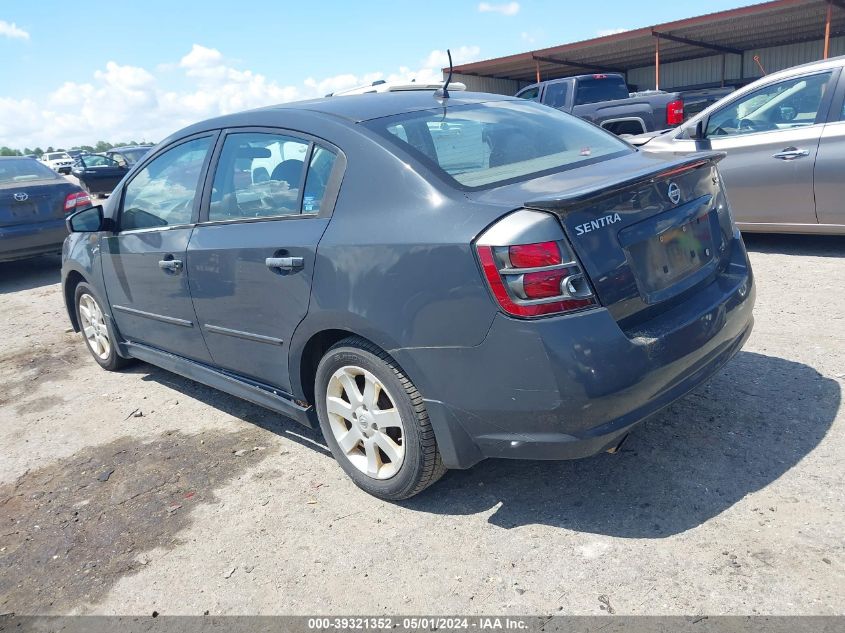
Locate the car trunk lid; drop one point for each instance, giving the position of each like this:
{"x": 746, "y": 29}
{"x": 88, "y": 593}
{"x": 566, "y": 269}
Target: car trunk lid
{"x": 33, "y": 201}
{"x": 646, "y": 230}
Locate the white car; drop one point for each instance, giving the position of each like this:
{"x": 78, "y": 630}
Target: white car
{"x": 61, "y": 162}
{"x": 385, "y": 86}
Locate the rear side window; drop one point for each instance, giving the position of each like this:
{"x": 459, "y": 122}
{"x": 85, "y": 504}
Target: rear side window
{"x": 264, "y": 175}
{"x": 600, "y": 88}
{"x": 556, "y": 95}
{"x": 532, "y": 94}
{"x": 487, "y": 144}
{"x": 163, "y": 192}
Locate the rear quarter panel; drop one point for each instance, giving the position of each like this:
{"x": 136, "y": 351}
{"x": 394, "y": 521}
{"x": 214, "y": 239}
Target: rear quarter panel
{"x": 395, "y": 264}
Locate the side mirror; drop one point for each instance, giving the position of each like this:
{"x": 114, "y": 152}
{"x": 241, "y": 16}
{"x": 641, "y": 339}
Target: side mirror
{"x": 697, "y": 133}
{"x": 87, "y": 220}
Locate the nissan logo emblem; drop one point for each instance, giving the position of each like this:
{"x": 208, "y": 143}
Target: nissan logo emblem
{"x": 20, "y": 197}
{"x": 674, "y": 193}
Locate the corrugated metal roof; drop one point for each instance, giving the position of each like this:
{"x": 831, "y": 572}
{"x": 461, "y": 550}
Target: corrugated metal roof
{"x": 757, "y": 26}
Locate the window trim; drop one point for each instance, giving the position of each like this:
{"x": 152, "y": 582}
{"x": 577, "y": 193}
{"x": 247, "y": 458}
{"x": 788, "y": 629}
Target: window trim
{"x": 214, "y": 135}
{"x": 332, "y": 186}
{"x": 822, "y": 115}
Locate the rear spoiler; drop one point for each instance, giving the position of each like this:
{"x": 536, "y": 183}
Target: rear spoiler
{"x": 571, "y": 200}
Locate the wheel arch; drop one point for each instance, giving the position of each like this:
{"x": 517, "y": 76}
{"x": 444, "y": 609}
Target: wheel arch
{"x": 72, "y": 280}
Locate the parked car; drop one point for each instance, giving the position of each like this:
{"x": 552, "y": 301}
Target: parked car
{"x": 604, "y": 99}
{"x": 380, "y": 85}
{"x": 34, "y": 202}
{"x": 128, "y": 155}
{"x": 98, "y": 174}
{"x": 60, "y": 162}
{"x": 784, "y": 136}
{"x": 494, "y": 278}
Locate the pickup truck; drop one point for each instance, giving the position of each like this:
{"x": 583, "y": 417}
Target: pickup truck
{"x": 604, "y": 100}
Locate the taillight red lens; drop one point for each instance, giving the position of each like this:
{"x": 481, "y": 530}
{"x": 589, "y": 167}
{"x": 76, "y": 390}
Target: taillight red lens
{"x": 545, "y": 284}
{"x": 675, "y": 112}
{"x": 534, "y": 255}
{"x": 76, "y": 200}
{"x": 537, "y": 285}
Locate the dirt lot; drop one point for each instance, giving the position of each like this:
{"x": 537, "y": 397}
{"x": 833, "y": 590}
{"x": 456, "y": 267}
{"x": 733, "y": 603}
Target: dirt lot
{"x": 142, "y": 491}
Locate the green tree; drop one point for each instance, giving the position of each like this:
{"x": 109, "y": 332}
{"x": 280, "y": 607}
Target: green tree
{"x": 38, "y": 152}
{"x": 102, "y": 146}
{"x": 49, "y": 149}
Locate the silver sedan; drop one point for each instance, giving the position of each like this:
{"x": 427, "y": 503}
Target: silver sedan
{"x": 784, "y": 136}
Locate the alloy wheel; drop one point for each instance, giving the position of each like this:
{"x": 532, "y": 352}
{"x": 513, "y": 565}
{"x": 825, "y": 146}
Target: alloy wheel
{"x": 94, "y": 326}
{"x": 365, "y": 422}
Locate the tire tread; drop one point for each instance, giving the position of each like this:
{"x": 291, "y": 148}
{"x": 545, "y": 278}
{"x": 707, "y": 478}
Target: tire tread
{"x": 433, "y": 468}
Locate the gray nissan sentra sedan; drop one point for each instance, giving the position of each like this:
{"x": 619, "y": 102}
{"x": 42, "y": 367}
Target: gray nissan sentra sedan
{"x": 431, "y": 280}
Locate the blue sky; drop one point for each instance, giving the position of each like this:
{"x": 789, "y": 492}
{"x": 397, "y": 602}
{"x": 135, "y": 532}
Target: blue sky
{"x": 77, "y": 73}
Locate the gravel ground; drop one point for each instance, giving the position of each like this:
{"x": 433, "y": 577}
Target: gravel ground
{"x": 140, "y": 491}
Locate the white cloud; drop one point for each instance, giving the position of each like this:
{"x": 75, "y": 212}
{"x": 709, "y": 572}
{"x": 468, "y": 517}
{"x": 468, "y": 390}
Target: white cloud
{"x": 10, "y": 29}
{"x": 122, "y": 102}
{"x": 507, "y": 8}
{"x": 603, "y": 32}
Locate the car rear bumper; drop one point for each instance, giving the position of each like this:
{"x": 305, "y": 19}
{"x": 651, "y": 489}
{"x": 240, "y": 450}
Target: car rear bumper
{"x": 572, "y": 386}
{"x": 27, "y": 240}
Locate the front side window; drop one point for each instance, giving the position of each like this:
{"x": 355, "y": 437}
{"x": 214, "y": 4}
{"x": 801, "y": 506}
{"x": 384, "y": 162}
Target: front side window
{"x": 778, "y": 106}
{"x": 487, "y": 144}
{"x": 163, "y": 192}
{"x": 262, "y": 175}
{"x": 95, "y": 160}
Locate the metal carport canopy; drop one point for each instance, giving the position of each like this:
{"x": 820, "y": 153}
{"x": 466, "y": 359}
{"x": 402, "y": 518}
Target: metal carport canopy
{"x": 729, "y": 32}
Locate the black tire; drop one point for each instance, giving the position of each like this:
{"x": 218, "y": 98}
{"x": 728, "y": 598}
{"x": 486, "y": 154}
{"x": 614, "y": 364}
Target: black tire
{"x": 113, "y": 361}
{"x": 422, "y": 465}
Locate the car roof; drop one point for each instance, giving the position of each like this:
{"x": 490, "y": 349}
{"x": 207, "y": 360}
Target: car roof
{"x": 353, "y": 108}
{"x": 126, "y": 147}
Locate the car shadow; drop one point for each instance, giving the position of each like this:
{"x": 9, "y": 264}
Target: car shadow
{"x": 738, "y": 433}
{"x": 26, "y": 274}
{"x": 234, "y": 406}
{"x": 812, "y": 245}
{"x": 731, "y": 437}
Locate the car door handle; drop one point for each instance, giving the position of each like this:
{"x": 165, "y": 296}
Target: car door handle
{"x": 173, "y": 265}
{"x": 791, "y": 153}
{"x": 284, "y": 263}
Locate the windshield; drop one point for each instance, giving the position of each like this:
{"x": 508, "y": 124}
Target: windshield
{"x": 57, "y": 156}
{"x": 134, "y": 155}
{"x": 23, "y": 169}
{"x": 488, "y": 144}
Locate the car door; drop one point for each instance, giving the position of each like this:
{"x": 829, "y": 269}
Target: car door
{"x": 251, "y": 258}
{"x": 144, "y": 262}
{"x": 771, "y": 137}
{"x": 827, "y": 178}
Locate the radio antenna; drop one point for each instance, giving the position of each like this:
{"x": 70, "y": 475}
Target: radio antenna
{"x": 449, "y": 78}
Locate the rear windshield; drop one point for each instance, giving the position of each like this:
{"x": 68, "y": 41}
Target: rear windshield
{"x": 489, "y": 144}
{"x": 600, "y": 88}
{"x": 23, "y": 169}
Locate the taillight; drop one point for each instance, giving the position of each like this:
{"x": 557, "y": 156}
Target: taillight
{"x": 76, "y": 200}
{"x": 537, "y": 278}
{"x": 675, "y": 112}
